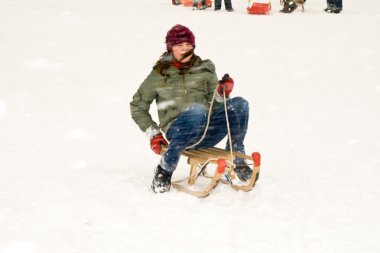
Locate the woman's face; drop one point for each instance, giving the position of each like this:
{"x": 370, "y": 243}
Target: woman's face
{"x": 180, "y": 50}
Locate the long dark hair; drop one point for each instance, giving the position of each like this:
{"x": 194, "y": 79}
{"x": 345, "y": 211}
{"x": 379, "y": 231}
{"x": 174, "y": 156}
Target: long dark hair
{"x": 164, "y": 62}
{"x": 167, "y": 58}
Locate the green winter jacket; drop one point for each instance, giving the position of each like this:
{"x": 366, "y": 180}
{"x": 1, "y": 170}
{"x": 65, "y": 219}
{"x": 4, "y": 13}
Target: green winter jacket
{"x": 173, "y": 91}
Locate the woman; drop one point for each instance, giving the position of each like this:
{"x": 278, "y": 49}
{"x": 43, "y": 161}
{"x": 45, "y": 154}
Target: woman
{"x": 183, "y": 86}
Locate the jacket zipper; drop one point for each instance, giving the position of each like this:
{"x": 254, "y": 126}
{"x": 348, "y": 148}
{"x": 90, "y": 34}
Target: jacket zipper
{"x": 184, "y": 90}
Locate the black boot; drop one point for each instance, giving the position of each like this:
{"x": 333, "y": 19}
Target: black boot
{"x": 334, "y": 6}
{"x": 289, "y": 6}
{"x": 243, "y": 171}
{"x": 162, "y": 180}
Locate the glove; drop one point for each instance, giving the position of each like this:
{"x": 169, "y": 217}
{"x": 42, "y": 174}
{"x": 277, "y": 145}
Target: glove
{"x": 225, "y": 85}
{"x": 157, "y": 142}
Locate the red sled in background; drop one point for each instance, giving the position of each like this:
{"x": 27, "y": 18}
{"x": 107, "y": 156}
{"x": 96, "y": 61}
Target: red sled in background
{"x": 259, "y": 8}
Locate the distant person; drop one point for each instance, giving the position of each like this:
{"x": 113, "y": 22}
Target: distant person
{"x": 227, "y": 5}
{"x": 333, "y": 6}
{"x": 195, "y": 5}
{"x": 176, "y": 2}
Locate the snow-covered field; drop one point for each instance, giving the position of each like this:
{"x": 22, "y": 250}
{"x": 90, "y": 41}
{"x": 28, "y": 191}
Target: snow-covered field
{"x": 75, "y": 170}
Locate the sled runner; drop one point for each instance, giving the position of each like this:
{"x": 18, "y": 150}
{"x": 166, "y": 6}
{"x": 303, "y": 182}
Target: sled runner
{"x": 224, "y": 173}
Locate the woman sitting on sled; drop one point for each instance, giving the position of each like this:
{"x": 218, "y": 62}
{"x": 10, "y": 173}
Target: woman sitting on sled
{"x": 183, "y": 86}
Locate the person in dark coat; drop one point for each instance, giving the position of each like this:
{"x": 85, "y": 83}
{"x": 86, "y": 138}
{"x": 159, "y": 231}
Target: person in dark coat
{"x": 227, "y": 5}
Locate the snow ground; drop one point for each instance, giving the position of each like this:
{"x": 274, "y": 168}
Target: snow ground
{"x": 75, "y": 170}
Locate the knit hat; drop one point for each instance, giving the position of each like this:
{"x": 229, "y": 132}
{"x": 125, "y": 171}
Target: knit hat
{"x": 179, "y": 34}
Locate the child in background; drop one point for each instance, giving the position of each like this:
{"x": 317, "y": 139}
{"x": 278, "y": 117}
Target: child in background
{"x": 195, "y": 5}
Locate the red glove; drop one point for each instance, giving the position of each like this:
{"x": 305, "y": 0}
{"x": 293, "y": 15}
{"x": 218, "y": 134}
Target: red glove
{"x": 157, "y": 142}
{"x": 226, "y": 85}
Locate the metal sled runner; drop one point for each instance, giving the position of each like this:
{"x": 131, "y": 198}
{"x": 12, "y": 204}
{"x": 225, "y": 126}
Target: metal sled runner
{"x": 224, "y": 172}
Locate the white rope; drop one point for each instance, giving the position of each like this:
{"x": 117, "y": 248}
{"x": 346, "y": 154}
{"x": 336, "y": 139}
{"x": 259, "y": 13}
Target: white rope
{"x": 228, "y": 126}
{"x": 208, "y": 123}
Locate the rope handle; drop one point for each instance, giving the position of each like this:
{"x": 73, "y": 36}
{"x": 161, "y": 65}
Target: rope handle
{"x": 208, "y": 123}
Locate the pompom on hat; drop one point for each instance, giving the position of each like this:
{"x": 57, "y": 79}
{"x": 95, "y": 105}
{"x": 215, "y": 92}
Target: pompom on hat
{"x": 179, "y": 34}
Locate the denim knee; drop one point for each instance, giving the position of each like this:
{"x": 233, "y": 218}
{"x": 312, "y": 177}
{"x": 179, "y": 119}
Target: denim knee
{"x": 239, "y": 103}
{"x": 189, "y": 121}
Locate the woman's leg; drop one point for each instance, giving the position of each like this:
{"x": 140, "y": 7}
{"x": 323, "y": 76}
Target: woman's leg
{"x": 238, "y": 115}
{"x": 186, "y": 130}
{"x": 228, "y": 4}
{"x": 218, "y": 4}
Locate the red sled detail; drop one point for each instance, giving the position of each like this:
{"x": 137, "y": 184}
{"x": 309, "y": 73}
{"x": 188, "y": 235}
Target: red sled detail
{"x": 221, "y": 165}
{"x": 260, "y": 8}
{"x": 256, "y": 158}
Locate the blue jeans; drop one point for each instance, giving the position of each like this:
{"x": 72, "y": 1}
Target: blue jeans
{"x": 336, "y": 3}
{"x": 190, "y": 125}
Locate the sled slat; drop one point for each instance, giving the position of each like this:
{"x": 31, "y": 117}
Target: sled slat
{"x": 217, "y": 153}
{"x": 237, "y": 154}
{"x": 195, "y": 156}
{"x": 210, "y": 154}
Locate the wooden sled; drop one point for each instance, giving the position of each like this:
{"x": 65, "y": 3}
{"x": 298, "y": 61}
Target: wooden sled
{"x": 199, "y": 159}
